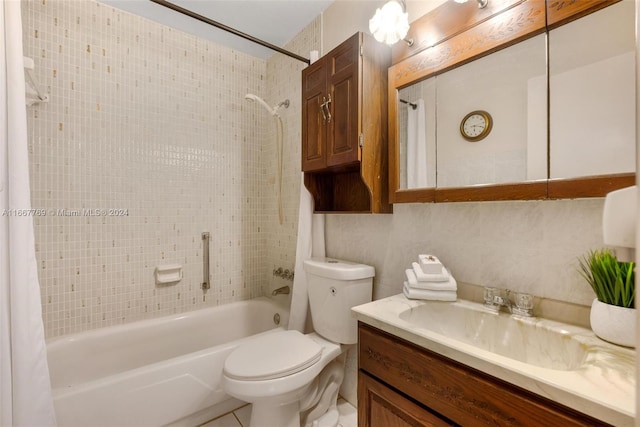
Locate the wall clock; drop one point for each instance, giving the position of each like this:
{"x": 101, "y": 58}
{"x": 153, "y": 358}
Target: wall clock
{"x": 476, "y": 125}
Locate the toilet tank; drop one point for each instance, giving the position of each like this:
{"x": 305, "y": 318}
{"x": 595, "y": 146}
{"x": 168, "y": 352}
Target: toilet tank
{"x": 334, "y": 287}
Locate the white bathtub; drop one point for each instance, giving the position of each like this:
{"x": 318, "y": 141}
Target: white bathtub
{"x": 163, "y": 371}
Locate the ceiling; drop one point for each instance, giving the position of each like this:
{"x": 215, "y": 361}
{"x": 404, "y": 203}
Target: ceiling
{"x": 274, "y": 21}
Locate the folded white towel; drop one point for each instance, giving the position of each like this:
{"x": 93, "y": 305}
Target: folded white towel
{"x": 449, "y": 285}
{"x": 430, "y": 264}
{"x": 422, "y": 277}
{"x": 428, "y": 295}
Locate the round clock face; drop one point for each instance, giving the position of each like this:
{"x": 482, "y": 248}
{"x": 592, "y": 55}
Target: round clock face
{"x": 476, "y": 125}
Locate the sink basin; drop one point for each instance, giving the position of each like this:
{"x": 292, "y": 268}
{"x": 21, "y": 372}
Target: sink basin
{"x": 530, "y": 340}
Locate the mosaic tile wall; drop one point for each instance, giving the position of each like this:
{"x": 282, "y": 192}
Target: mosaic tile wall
{"x": 152, "y": 123}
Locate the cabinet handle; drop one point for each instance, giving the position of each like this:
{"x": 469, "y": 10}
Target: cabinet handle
{"x": 326, "y": 105}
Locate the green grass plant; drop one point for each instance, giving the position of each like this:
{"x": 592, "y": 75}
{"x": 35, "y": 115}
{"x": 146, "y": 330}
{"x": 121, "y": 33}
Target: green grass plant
{"x": 612, "y": 281}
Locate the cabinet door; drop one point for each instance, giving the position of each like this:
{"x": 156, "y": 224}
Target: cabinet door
{"x": 314, "y": 83}
{"x": 342, "y": 138}
{"x": 380, "y": 406}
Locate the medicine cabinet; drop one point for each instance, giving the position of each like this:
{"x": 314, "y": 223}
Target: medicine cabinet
{"x": 551, "y": 85}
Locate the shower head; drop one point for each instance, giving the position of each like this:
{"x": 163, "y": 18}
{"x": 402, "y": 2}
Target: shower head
{"x": 272, "y": 110}
{"x": 284, "y": 104}
{"x": 256, "y": 98}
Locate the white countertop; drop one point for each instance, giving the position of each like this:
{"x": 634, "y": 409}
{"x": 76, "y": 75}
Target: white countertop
{"x": 603, "y": 387}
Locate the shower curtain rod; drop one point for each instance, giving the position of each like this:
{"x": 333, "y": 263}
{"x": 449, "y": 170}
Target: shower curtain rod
{"x": 411, "y": 104}
{"x": 221, "y": 26}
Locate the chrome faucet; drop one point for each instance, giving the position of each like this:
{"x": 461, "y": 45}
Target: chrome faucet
{"x": 495, "y": 298}
{"x": 283, "y": 290}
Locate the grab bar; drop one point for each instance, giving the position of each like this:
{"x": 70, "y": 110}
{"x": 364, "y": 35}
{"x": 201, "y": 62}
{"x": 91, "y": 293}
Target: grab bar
{"x": 205, "y": 260}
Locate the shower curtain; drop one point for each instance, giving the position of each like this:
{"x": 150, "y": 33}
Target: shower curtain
{"x": 310, "y": 243}
{"x": 25, "y": 389}
{"x": 417, "y": 147}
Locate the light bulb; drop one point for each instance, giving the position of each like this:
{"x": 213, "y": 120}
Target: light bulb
{"x": 390, "y": 24}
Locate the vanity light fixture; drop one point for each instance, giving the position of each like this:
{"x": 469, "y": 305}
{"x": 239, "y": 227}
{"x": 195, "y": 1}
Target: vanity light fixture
{"x": 390, "y": 24}
{"x": 481, "y": 3}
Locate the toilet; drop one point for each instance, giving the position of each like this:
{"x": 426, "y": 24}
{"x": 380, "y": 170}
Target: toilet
{"x": 293, "y": 379}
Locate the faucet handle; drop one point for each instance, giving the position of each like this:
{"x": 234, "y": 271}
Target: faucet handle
{"x": 524, "y": 304}
{"x": 524, "y": 301}
{"x": 492, "y": 298}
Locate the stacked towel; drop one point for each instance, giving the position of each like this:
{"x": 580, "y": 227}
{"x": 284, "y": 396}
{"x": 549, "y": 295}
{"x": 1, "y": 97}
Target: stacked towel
{"x": 428, "y": 279}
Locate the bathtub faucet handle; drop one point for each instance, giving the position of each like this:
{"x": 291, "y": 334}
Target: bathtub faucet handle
{"x": 288, "y": 275}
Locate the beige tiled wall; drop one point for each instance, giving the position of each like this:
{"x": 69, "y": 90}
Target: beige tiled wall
{"x": 152, "y": 121}
{"x": 284, "y": 82}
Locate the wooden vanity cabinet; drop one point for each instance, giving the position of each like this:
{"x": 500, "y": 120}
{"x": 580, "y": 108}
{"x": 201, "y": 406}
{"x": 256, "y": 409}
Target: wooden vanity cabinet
{"x": 344, "y": 127}
{"x": 401, "y": 384}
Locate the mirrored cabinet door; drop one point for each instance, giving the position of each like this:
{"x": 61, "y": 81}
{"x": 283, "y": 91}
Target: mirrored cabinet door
{"x": 536, "y": 101}
{"x": 592, "y": 85}
{"x": 492, "y": 118}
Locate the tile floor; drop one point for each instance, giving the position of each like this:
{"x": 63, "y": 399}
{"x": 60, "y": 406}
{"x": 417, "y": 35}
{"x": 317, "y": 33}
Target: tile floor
{"x": 240, "y": 417}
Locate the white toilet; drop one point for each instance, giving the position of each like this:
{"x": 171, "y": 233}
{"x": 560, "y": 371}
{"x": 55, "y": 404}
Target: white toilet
{"x": 287, "y": 375}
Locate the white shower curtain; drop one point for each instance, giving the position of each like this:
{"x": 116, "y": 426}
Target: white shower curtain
{"x": 310, "y": 244}
{"x": 25, "y": 389}
{"x": 416, "y": 147}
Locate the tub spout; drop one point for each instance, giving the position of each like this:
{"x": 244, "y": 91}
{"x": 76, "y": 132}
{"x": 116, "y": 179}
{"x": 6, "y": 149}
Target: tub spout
{"x": 283, "y": 290}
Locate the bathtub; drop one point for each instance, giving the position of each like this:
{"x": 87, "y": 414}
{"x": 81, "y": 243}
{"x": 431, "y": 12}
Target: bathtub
{"x": 156, "y": 372}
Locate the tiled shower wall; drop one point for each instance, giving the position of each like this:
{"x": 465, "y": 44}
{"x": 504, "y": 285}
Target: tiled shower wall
{"x": 284, "y": 76}
{"x": 152, "y": 123}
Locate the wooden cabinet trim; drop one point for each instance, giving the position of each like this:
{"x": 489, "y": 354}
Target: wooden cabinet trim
{"x": 516, "y": 24}
{"x": 373, "y": 122}
{"x": 592, "y": 186}
{"x": 521, "y": 191}
{"x": 444, "y": 22}
{"x": 560, "y": 12}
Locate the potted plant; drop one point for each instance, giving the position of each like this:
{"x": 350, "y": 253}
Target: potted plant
{"x": 613, "y": 316}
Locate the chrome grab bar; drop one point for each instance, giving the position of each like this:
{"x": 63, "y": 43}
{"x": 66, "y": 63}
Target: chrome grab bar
{"x": 205, "y": 260}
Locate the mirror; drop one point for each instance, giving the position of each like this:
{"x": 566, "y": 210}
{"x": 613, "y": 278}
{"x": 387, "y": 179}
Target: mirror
{"x": 561, "y": 102}
{"x": 592, "y": 94}
{"x": 510, "y": 85}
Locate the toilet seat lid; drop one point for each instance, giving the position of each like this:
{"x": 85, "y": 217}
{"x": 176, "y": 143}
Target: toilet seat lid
{"x": 272, "y": 356}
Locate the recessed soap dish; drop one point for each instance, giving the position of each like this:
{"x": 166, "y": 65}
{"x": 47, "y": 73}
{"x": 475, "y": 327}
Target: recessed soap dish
{"x": 170, "y": 273}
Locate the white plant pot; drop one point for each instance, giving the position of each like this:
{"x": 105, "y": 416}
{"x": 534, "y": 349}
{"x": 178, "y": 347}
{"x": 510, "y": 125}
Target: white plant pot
{"x": 614, "y": 324}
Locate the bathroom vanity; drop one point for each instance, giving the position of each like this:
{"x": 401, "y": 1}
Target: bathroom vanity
{"x": 433, "y": 363}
